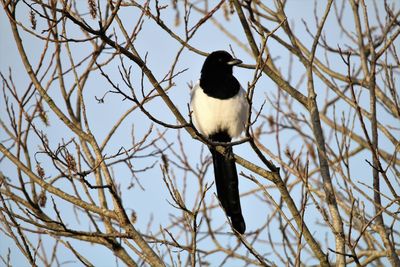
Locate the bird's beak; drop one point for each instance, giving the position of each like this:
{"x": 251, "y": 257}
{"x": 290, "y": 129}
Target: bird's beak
{"x": 234, "y": 62}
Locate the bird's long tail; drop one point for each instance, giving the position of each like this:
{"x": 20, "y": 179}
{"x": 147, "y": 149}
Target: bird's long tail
{"x": 227, "y": 183}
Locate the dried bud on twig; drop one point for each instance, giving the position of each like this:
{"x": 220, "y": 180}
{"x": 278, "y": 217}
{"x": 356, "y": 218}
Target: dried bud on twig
{"x": 288, "y": 153}
{"x": 42, "y": 114}
{"x": 71, "y": 163}
{"x": 92, "y": 8}
{"x": 40, "y": 171}
{"x": 271, "y": 121}
{"x": 42, "y": 199}
{"x": 32, "y": 18}
{"x": 133, "y": 217}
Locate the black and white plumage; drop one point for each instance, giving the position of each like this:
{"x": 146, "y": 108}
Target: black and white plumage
{"x": 219, "y": 111}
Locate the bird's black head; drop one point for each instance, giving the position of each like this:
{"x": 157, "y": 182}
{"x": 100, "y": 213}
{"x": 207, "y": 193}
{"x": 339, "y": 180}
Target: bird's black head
{"x": 216, "y": 75}
{"x": 219, "y": 62}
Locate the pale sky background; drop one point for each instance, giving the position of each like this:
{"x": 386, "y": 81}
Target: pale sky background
{"x": 151, "y": 203}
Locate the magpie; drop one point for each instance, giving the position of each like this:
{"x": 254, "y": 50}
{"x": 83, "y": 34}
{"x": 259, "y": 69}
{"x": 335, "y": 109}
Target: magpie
{"x": 219, "y": 111}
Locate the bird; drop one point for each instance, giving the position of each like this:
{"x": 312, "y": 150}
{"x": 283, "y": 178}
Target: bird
{"x": 219, "y": 110}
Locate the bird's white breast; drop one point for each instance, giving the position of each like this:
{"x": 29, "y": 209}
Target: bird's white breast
{"x": 212, "y": 114}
